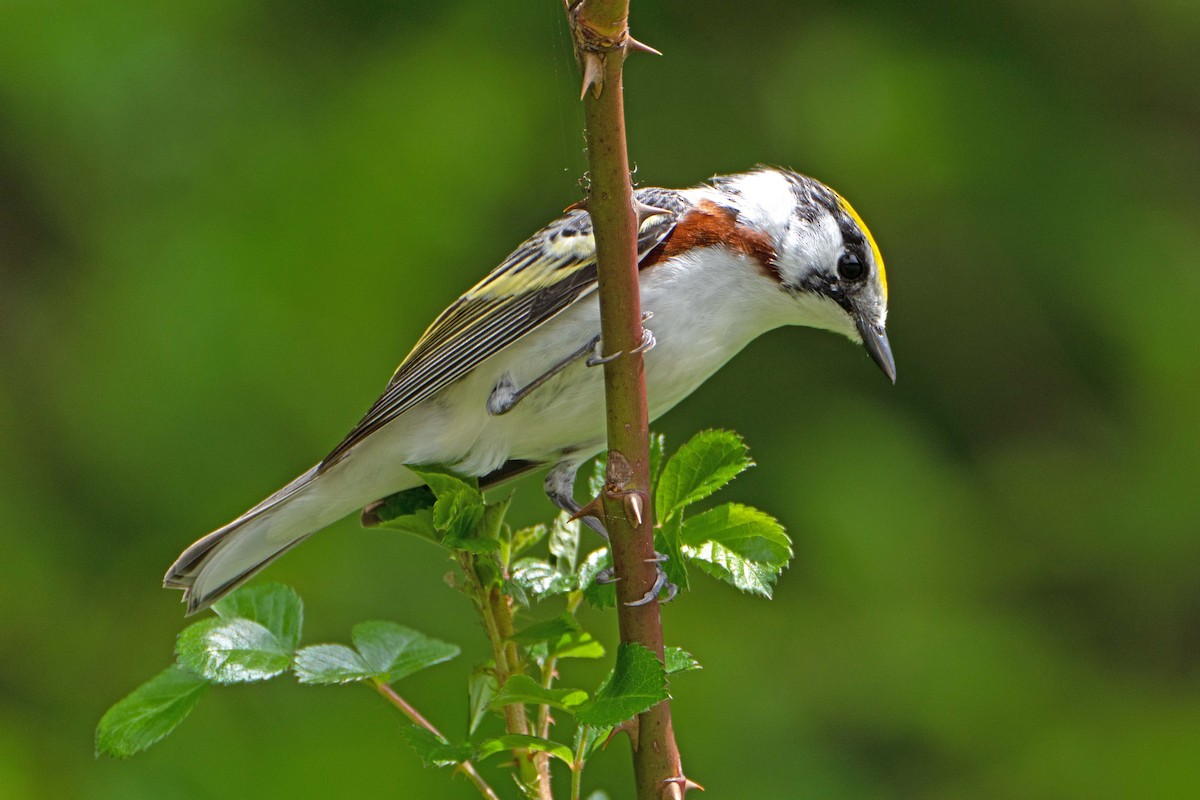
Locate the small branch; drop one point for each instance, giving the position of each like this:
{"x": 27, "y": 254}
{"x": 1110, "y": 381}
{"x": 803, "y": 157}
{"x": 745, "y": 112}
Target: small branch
{"x": 601, "y": 35}
{"x": 496, "y": 613}
{"x": 466, "y": 767}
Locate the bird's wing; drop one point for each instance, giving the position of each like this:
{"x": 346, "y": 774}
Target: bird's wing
{"x": 549, "y": 271}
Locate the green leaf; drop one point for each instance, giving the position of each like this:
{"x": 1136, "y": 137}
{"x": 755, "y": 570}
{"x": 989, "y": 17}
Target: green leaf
{"x": 667, "y": 541}
{"x": 524, "y": 689}
{"x": 386, "y": 652}
{"x": 330, "y": 663}
{"x": 547, "y": 630}
{"x": 637, "y": 683}
{"x": 232, "y": 650}
{"x": 752, "y": 534}
{"x": 149, "y": 713}
{"x": 442, "y": 481}
{"x": 458, "y": 509}
{"x": 274, "y": 606}
{"x": 409, "y": 511}
{"x": 600, "y": 595}
{"x": 393, "y": 651}
{"x": 679, "y": 660}
{"x": 725, "y": 565}
{"x": 434, "y": 750}
{"x": 493, "y": 516}
{"x": 560, "y": 637}
{"x": 517, "y": 741}
{"x": 538, "y": 577}
{"x": 564, "y": 542}
{"x": 458, "y": 513}
{"x": 481, "y": 689}
{"x": 708, "y": 461}
{"x": 740, "y": 545}
{"x": 526, "y": 538}
{"x": 589, "y": 739}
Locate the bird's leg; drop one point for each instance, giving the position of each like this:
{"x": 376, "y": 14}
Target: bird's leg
{"x": 506, "y": 394}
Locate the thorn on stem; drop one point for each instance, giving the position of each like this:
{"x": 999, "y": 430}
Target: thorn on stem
{"x": 640, "y": 47}
{"x": 593, "y": 74}
{"x": 644, "y": 211}
{"x": 630, "y": 727}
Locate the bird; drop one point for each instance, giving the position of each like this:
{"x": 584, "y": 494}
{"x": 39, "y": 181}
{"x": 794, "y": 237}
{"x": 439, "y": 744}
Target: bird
{"x": 503, "y": 381}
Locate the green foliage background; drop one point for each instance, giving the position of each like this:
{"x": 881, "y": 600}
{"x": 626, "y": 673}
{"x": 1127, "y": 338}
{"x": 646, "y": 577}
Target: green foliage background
{"x": 222, "y": 223}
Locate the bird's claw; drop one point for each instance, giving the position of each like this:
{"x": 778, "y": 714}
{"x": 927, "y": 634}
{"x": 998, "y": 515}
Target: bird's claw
{"x": 648, "y": 342}
{"x": 660, "y": 583}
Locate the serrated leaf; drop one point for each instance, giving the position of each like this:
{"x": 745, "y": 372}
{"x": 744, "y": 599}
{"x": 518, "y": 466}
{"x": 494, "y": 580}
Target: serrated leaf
{"x": 725, "y": 565}
{"x": 433, "y": 750}
{"x": 752, "y": 534}
{"x": 589, "y": 739}
{"x": 517, "y": 741}
{"x": 560, "y": 637}
{"x": 393, "y": 651}
{"x": 478, "y": 530}
{"x": 233, "y": 650}
{"x": 493, "y": 517}
{"x": 564, "y": 542}
{"x": 739, "y": 545}
{"x": 274, "y": 606}
{"x": 330, "y": 663}
{"x": 599, "y": 595}
{"x": 458, "y": 513}
{"x": 525, "y": 538}
{"x": 409, "y": 511}
{"x": 667, "y": 542}
{"x": 538, "y": 577}
{"x": 149, "y": 713}
{"x": 524, "y": 689}
{"x": 708, "y": 461}
{"x": 636, "y": 684}
{"x": 679, "y": 660}
{"x": 481, "y": 689}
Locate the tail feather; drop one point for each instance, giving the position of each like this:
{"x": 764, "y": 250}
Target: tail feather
{"x": 232, "y": 554}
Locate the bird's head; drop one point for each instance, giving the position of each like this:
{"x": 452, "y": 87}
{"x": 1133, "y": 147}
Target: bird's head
{"x": 824, "y": 257}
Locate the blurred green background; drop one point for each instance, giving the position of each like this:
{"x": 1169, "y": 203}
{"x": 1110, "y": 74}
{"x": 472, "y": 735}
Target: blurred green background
{"x": 222, "y": 223}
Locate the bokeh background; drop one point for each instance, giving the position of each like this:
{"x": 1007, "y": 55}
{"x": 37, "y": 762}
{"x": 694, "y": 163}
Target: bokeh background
{"x": 222, "y": 223}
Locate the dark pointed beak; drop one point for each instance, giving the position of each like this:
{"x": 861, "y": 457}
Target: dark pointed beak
{"x": 875, "y": 340}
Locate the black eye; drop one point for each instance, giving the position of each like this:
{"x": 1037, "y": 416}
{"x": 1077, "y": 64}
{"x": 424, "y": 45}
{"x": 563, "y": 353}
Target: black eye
{"x": 850, "y": 267}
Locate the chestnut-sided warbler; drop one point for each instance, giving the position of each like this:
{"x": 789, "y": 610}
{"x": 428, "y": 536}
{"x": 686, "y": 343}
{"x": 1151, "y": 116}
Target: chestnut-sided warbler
{"x": 501, "y": 383}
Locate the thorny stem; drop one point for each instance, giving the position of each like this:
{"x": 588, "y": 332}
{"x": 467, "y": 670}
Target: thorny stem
{"x": 496, "y": 613}
{"x": 600, "y": 31}
{"x": 466, "y": 767}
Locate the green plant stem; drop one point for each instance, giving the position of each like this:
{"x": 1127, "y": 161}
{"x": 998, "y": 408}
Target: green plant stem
{"x": 596, "y": 25}
{"x": 496, "y": 612}
{"x": 577, "y": 768}
{"x": 466, "y": 767}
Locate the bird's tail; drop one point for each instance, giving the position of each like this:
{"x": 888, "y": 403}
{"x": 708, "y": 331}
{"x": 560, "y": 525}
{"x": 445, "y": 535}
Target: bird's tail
{"x": 231, "y": 555}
